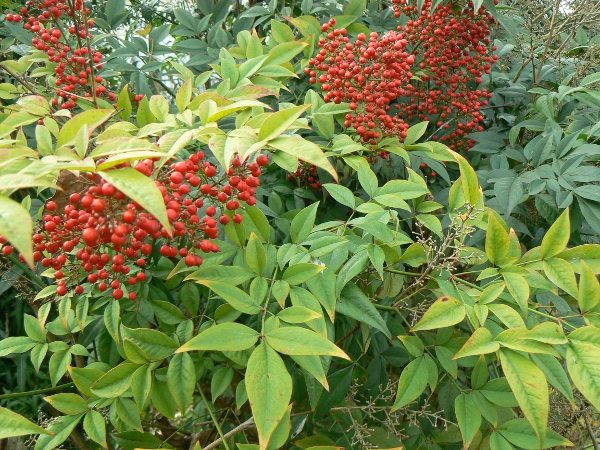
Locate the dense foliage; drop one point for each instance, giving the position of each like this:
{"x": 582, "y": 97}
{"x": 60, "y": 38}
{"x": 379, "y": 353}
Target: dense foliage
{"x": 300, "y": 224}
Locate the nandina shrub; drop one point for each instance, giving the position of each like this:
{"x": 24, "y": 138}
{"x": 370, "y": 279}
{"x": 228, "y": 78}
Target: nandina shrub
{"x": 382, "y": 315}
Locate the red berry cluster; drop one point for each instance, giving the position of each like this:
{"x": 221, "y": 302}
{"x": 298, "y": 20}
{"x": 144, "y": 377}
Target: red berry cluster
{"x": 306, "y": 176}
{"x": 369, "y": 73}
{"x": 454, "y": 53}
{"x": 104, "y": 238}
{"x": 77, "y": 62}
{"x": 426, "y": 70}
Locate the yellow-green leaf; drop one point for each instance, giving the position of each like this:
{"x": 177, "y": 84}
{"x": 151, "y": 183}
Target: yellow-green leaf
{"x": 305, "y": 150}
{"x": 557, "y": 236}
{"x": 561, "y": 273}
{"x": 141, "y": 189}
{"x": 269, "y": 388}
{"x": 480, "y": 343}
{"x": 301, "y": 272}
{"x": 444, "y": 312}
{"x": 588, "y": 294}
{"x": 583, "y": 365}
{"x": 16, "y": 226}
{"x": 497, "y": 242}
{"x": 184, "y": 95}
{"x": 518, "y": 287}
{"x": 92, "y": 118}
{"x": 229, "y": 336}
{"x": 302, "y": 341}
{"x": 528, "y": 384}
{"x": 14, "y": 425}
{"x": 233, "y": 295}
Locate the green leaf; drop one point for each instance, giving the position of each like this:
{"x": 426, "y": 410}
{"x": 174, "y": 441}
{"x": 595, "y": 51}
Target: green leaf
{"x": 561, "y": 273}
{"x": 16, "y": 344}
{"x": 122, "y": 145}
{"x": 298, "y": 314}
{"x": 224, "y": 337}
{"x": 498, "y": 442}
{"x": 444, "y": 312}
{"x": 114, "y": 382}
{"x": 355, "y": 304}
{"x": 232, "y": 274}
{"x": 127, "y": 412}
{"x": 14, "y": 425}
{"x": 413, "y": 345}
{"x": 283, "y": 53}
{"x": 469, "y": 181}
{"x": 529, "y": 385}
{"x": 155, "y": 345}
{"x": 281, "y": 32}
{"x": 498, "y": 246}
{"x": 92, "y": 119}
{"x": 220, "y": 381}
{"x": 312, "y": 364}
{"x": 181, "y": 379}
{"x": 57, "y": 366}
{"x": 280, "y": 121}
{"x": 124, "y": 103}
{"x": 304, "y": 150}
{"x": 280, "y": 291}
{"x": 301, "y": 272}
{"x": 557, "y": 236}
{"x": 412, "y": 383}
{"x": 341, "y": 194}
{"x": 256, "y": 255}
{"x": 468, "y": 417}
{"x": 16, "y": 226}
{"x": 480, "y": 343}
{"x": 303, "y": 223}
{"x": 548, "y": 333}
{"x": 415, "y": 133}
{"x": 95, "y": 427}
{"x": 520, "y": 433}
{"x": 141, "y": 386}
{"x": 60, "y": 431}
{"x": 269, "y": 387}
{"x": 141, "y": 189}
{"x": 588, "y": 295}
{"x": 555, "y": 373}
{"x": 69, "y": 404}
{"x": 233, "y": 295}
{"x": 518, "y": 287}
{"x": 583, "y": 365}
{"x": 184, "y": 95}
{"x": 301, "y": 341}
{"x": 84, "y": 377}
{"x": 132, "y": 440}
{"x": 322, "y": 286}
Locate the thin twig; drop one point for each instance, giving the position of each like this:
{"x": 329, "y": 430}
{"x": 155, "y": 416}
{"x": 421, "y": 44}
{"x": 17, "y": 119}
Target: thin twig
{"x": 591, "y": 432}
{"x": 12, "y": 395}
{"x": 241, "y": 427}
{"x": 214, "y": 419}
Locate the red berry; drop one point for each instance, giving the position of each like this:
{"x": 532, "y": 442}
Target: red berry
{"x": 90, "y": 236}
{"x": 262, "y": 160}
